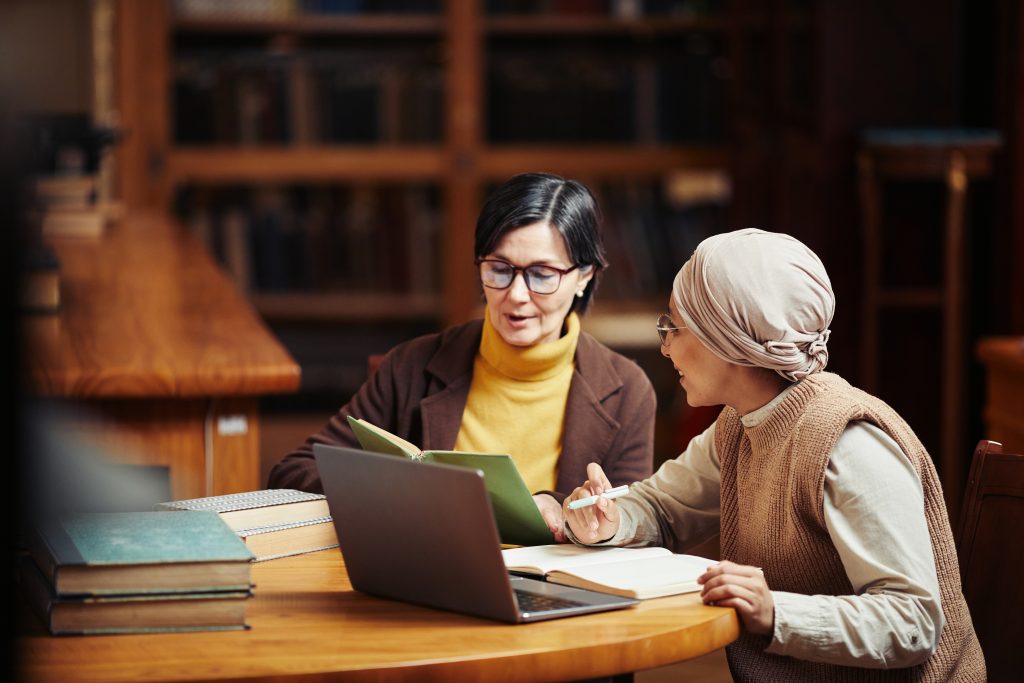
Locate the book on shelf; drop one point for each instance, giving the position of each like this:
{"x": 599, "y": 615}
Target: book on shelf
{"x": 68, "y": 205}
{"x": 70, "y": 191}
{"x": 254, "y": 509}
{"x": 129, "y": 613}
{"x": 320, "y": 238}
{"x": 40, "y": 279}
{"x": 292, "y": 538}
{"x": 518, "y": 519}
{"x": 640, "y": 573}
{"x": 73, "y": 222}
{"x": 140, "y": 552}
{"x": 272, "y": 522}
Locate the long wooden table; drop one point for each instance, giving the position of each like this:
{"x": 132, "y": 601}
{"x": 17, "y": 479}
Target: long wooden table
{"x": 309, "y": 625}
{"x": 157, "y": 357}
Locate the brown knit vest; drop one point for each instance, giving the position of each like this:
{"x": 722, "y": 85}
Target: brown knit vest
{"x": 773, "y": 517}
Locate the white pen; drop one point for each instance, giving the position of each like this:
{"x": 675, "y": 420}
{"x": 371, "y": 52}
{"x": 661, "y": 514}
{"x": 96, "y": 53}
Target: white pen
{"x": 616, "y": 492}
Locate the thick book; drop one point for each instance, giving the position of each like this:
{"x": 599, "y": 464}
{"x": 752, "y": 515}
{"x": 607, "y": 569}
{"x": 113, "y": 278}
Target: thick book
{"x": 253, "y": 509}
{"x": 293, "y": 538}
{"x": 40, "y": 279}
{"x": 640, "y": 573}
{"x": 134, "y": 613}
{"x": 519, "y": 521}
{"x": 74, "y": 222}
{"x": 66, "y": 191}
{"x": 141, "y": 552}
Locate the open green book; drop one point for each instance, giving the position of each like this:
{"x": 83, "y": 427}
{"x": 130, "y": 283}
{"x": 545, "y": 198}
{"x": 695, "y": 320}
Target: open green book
{"x": 519, "y": 521}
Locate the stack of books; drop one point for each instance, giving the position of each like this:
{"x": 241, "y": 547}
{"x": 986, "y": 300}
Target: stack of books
{"x": 272, "y": 522}
{"x": 40, "y": 279}
{"x": 69, "y": 205}
{"x": 137, "y": 572}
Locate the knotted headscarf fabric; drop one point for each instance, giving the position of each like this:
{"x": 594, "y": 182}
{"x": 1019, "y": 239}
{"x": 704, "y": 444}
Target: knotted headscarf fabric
{"x": 759, "y": 299}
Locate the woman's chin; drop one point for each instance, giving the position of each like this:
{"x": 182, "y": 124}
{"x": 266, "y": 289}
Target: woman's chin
{"x": 524, "y": 337}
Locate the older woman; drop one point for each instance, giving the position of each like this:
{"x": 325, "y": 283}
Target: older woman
{"x": 836, "y": 546}
{"x": 524, "y": 380}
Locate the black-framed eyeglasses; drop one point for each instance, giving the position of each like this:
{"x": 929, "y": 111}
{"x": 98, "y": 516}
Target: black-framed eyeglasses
{"x": 498, "y": 274}
{"x": 664, "y": 326}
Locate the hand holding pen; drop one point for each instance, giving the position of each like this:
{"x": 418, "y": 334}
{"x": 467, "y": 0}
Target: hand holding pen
{"x": 616, "y": 492}
{"x": 590, "y": 510}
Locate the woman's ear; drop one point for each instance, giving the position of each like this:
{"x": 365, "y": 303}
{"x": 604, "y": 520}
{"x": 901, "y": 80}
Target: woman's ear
{"x": 586, "y": 275}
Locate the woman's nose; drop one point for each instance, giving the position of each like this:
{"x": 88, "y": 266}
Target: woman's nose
{"x": 518, "y": 289}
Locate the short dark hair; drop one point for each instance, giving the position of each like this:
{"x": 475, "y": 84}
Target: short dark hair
{"x": 567, "y": 205}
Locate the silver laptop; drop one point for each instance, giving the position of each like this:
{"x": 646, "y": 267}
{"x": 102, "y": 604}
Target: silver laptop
{"x": 425, "y": 533}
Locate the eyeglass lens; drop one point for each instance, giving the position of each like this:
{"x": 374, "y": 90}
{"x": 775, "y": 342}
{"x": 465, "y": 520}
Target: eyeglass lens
{"x": 539, "y": 279}
{"x": 664, "y": 326}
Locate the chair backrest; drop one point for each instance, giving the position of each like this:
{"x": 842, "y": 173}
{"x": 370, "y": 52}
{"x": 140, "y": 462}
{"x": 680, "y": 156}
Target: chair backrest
{"x": 373, "y": 362}
{"x": 990, "y": 545}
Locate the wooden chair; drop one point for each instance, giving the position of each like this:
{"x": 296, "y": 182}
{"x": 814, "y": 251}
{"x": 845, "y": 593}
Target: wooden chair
{"x": 373, "y": 362}
{"x": 990, "y": 544}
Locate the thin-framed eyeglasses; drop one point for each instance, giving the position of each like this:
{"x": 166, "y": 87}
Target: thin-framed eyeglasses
{"x": 665, "y": 326}
{"x": 539, "y": 279}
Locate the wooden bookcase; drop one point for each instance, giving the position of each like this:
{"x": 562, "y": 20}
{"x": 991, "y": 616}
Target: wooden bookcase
{"x": 810, "y": 78}
{"x": 461, "y": 164}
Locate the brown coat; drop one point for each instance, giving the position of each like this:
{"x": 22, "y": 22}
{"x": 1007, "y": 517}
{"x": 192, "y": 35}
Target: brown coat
{"x": 419, "y": 393}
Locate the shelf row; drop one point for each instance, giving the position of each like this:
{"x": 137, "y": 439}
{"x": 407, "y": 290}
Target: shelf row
{"x": 375, "y": 251}
{"x": 326, "y": 16}
{"x": 409, "y": 162}
{"x": 396, "y": 91}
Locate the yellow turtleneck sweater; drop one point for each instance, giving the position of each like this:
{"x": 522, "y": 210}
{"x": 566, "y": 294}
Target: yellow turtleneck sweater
{"x": 516, "y": 403}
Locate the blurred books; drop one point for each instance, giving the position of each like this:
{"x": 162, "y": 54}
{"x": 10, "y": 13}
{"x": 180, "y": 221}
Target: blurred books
{"x": 69, "y": 205}
{"x": 40, "y": 279}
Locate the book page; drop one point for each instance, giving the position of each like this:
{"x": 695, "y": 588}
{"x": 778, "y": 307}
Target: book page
{"x": 379, "y": 440}
{"x": 542, "y": 559}
{"x": 642, "y": 578}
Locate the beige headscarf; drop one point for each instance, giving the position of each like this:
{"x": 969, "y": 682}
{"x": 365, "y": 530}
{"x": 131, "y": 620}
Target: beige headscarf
{"x": 759, "y": 299}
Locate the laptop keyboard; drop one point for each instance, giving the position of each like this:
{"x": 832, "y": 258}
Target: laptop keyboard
{"x": 534, "y": 602}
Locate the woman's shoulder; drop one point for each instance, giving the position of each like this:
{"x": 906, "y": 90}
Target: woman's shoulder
{"x": 594, "y": 358}
{"x": 457, "y": 340}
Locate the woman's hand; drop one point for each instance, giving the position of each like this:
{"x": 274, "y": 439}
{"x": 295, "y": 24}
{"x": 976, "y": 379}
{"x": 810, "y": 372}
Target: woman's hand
{"x": 728, "y": 584}
{"x": 597, "y": 522}
{"x": 551, "y": 511}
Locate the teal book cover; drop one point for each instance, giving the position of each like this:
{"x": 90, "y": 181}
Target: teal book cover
{"x": 124, "y": 552}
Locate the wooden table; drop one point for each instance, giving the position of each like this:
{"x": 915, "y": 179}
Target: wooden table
{"x": 157, "y": 355}
{"x": 308, "y": 625}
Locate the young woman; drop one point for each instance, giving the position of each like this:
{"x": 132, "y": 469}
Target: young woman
{"x": 524, "y": 380}
{"x": 836, "y": 547}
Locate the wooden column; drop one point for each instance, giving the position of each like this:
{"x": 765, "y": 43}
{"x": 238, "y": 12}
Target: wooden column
{"x": 464, "y": 123}
{"x": 143, "y": 103}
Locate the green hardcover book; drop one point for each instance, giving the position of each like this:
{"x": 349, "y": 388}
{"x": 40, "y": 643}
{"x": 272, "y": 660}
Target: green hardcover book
{"x": 519, "y": 521}
{"x": 141, "y": 552}
{"x": 146, "y": 613}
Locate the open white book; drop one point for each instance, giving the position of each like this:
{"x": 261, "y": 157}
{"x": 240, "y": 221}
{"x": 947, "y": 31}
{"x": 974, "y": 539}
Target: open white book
{"x": 632, "y": 572}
